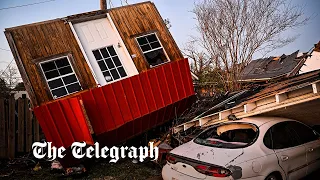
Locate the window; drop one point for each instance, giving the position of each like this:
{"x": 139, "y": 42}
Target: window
{"x": 282, "y": 137}
{"x": 60, "y": 77}
{"x": 109, "y": 63}
{"x": 305, "y": 133}
{"x": 152, "y": 49}
{"x": 230, "y": 135}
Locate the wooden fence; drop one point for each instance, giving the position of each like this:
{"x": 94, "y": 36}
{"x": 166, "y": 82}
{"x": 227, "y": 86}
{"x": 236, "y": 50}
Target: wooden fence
{"x": 18, "y": 127}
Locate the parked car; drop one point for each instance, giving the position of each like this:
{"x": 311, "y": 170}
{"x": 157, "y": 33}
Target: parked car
{"x": 251, "y": 148}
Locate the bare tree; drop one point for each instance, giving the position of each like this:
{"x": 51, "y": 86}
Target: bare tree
{"x": 10, "y": 76}
{"x": 231, "y": 31}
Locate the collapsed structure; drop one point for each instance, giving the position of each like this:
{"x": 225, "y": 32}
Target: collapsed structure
{"x": 114, "y": 73}
{"x": 286, "y": 86}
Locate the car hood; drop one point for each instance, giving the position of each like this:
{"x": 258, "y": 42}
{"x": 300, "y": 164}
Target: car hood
{"x": 212, "y": 155}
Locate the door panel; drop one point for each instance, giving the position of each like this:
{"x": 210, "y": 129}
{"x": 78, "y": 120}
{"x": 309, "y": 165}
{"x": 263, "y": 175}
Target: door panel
{"x": 313, "y": 156}
{"x": 98, "y": 34}
{"x": 310, "y": 139}
{"x": 293, "y": 161}
{"x": 290, "y": 151}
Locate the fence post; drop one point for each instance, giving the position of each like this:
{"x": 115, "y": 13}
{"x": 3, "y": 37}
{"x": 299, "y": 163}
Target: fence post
{"x": 20, "y": 124}
{"x": 11, "y": 128}
{"x": 28, "y": 117}
{"x": 3, "y": 125}
{"x": 36, "y": 131}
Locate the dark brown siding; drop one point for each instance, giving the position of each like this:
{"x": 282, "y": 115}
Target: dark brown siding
{"x": 139, "y": 19}
{"x": 38, "y": 42}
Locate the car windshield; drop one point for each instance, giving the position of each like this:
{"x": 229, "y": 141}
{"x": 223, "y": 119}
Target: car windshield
{"x": 231, "y": 135}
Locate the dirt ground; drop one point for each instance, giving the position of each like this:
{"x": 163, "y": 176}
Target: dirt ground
{"x": 99, "y": 169}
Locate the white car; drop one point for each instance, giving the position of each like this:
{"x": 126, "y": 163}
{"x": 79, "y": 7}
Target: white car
{"x": 251, "y": 148}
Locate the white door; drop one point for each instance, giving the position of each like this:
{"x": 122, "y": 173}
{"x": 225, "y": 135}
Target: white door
{"x": 311, "y": 141}
{"x": 290, "y": 151}
{"x": 107, "y": 54}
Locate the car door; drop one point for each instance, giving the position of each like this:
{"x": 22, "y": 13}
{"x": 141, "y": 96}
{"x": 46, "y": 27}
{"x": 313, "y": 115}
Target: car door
{"x": 311, "y": 141}
{"x": 290, "y": 152}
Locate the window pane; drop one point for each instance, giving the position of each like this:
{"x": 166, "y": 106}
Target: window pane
{"x": 304, "y": 132}
{"x": 267, "y": 139}
{"x": 156, "y": 57}
{"x": 146, "y": 48}
{"x": 102, "y": 65}
{"x": 74, "y": 87}
{"x": 97, "y": 54}
{"x": 69, "y": 79}
{"x": 142, "y": 41}
{"x": 116, "y": 61}
{"x": 122, "y": 72}
{"x": 104, "y": 53}
{"x": 48, "y": 66}
{"x": 230, "y": 135}
{"x": 59, "y": 74}
{"x": 55, "y": 83}
{"x": 282, "y": 136}
{"x": 52, "y": 74}
{"x": 109, "y": 63}
{"x": 155, "y": 45}
{"x": 65, "y": 70}
{"x": 62, "y": 62}
{"x": 112, "y": 51}
{"x": 152, "y": 38}
{"x": 107, "y": 76}
{"x": 115, "y": 74}
{"x": 59, "y": 92}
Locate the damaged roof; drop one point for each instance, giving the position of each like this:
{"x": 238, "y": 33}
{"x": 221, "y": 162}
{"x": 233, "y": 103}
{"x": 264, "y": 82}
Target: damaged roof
{"x": 294, "y": 94}
{"x": 273, "y": 67}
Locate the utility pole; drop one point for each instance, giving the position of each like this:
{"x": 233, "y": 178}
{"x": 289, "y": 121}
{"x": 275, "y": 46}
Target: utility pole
{"x": 103, "y": 4}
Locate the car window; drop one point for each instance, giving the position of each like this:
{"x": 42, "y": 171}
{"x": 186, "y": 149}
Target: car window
{"x": 230, "y": 135}
{"x": 305, "y": 133}
{"x": 267, "y": 139}
{"x": 283, "y": 137}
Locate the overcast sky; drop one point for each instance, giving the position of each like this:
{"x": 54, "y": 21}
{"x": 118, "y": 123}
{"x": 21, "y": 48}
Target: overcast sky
{"x": 178, "y": 11}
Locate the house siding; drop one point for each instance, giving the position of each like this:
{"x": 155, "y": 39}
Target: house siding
{"x": 41, "y": 41}
{"x": 139, "y": 19}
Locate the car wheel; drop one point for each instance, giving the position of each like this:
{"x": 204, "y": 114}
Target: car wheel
{"x": 273, "y": 177}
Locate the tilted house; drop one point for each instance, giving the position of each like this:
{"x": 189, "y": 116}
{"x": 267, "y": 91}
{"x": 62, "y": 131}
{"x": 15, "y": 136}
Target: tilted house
{"x": 117, "y": 70}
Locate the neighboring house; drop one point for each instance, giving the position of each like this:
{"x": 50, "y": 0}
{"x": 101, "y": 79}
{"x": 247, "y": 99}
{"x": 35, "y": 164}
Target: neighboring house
{"x": 273, "y": 68}
{"x": 313, "y": 62}
{"x": 117, "y": 70}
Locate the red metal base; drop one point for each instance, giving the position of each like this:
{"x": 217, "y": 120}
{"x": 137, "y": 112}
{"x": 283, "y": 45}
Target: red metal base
{"x": 119, "y": 110}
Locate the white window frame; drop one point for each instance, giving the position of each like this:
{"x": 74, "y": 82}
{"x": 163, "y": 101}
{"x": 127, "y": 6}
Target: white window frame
{"x": 165, "y": 53}
{"x": 122, "y": 64}
{"x": 61, "y": 76}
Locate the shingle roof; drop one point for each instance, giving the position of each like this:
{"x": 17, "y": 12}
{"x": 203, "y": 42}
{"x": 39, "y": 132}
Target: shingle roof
{"x": 272, "y": 67}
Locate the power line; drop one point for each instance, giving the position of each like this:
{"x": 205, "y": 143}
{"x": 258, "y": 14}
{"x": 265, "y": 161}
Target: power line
{"x": 12, "y": 7}
{"x": 4, "y": 49}
{"x": 6, "y": 67}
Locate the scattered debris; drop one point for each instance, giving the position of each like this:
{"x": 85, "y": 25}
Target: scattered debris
{"x": 56, "y": 167}
{"x": 37, "y": 167}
